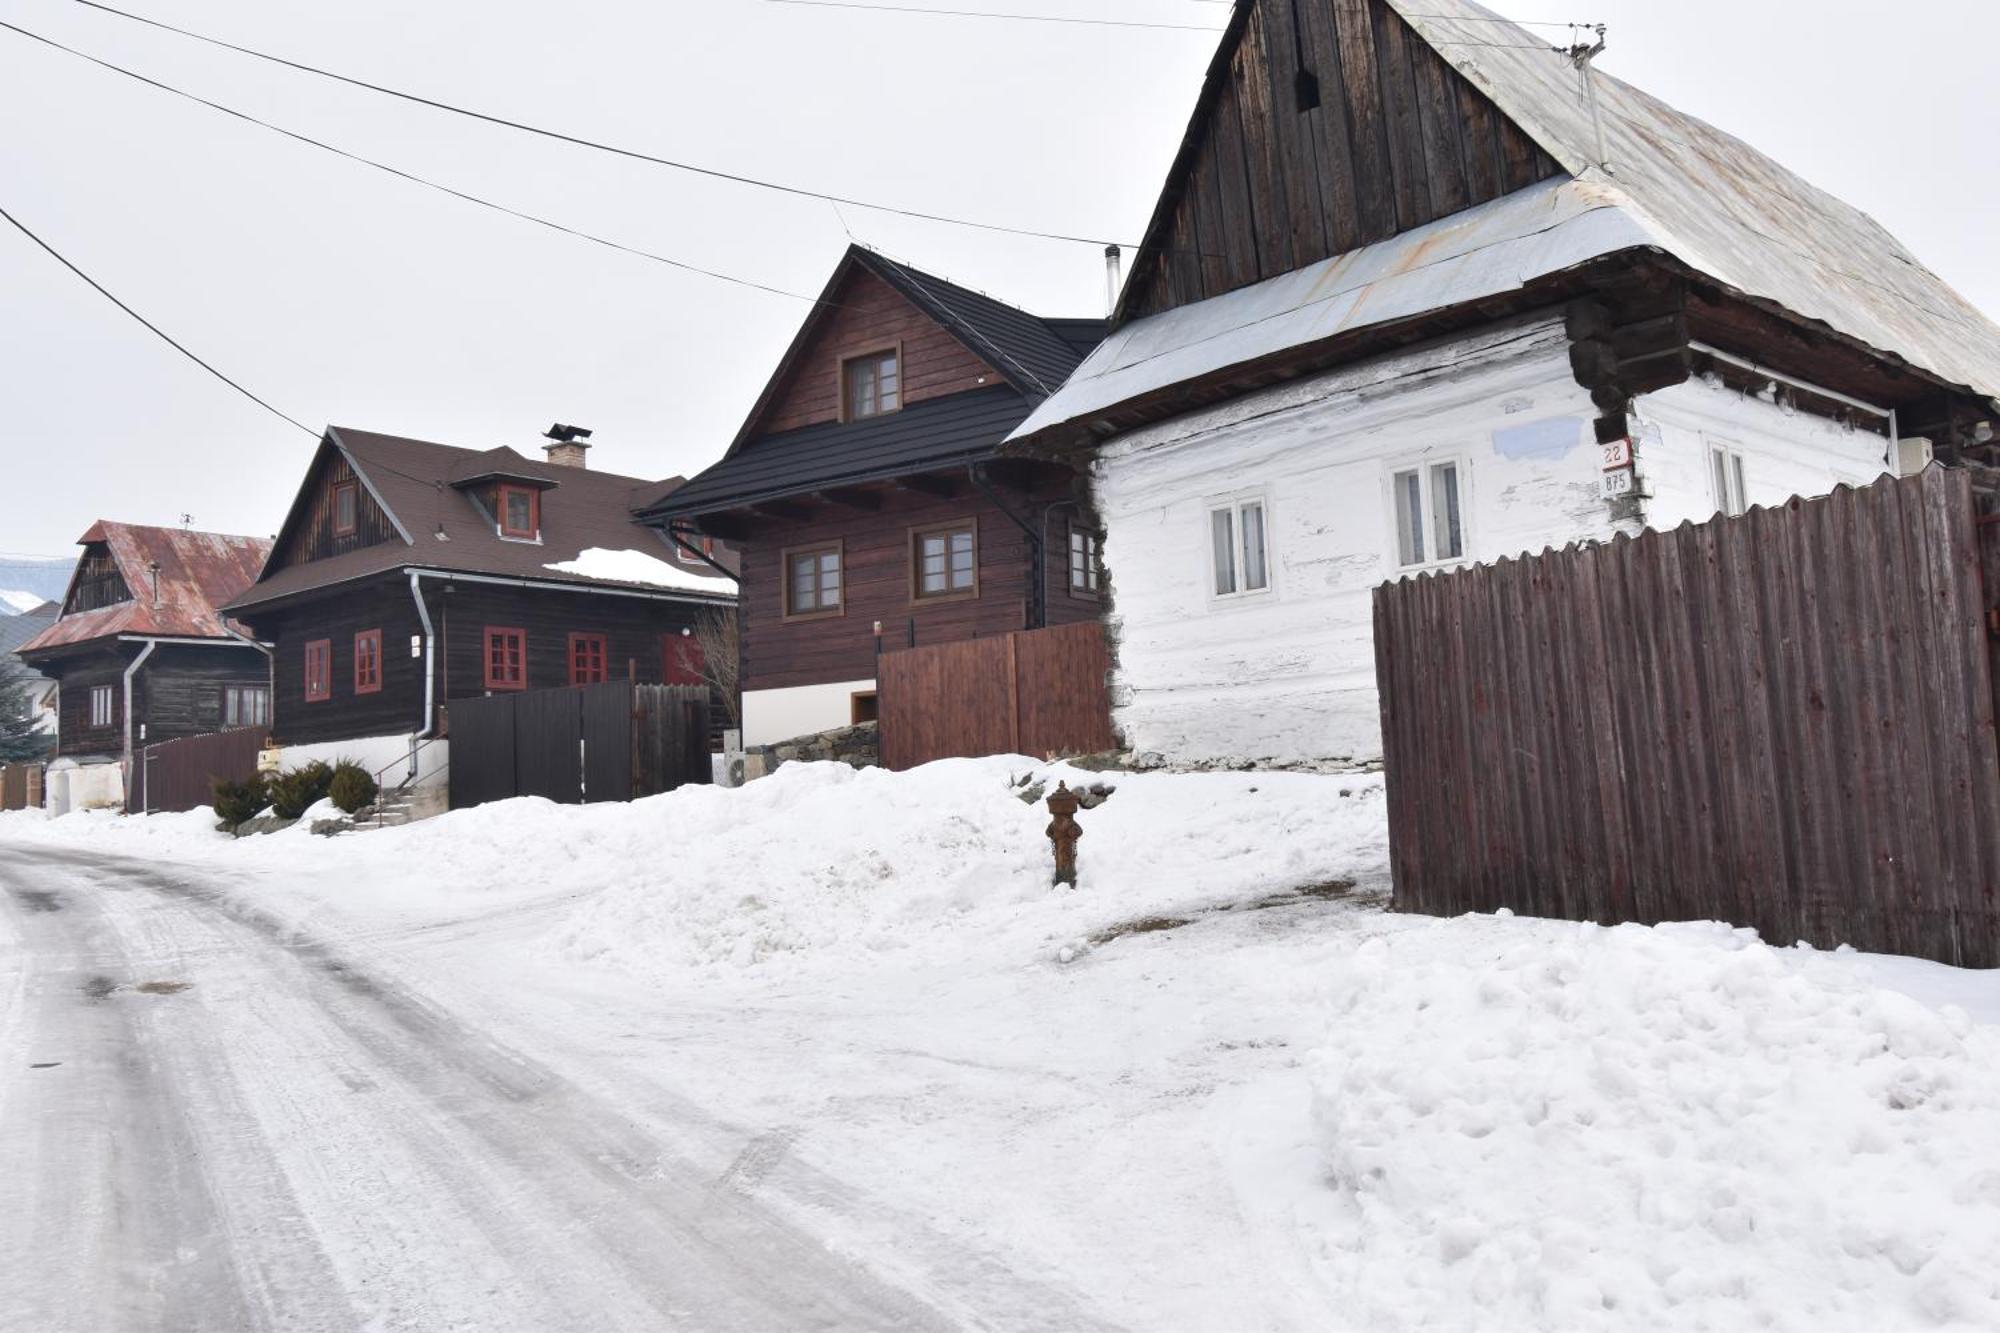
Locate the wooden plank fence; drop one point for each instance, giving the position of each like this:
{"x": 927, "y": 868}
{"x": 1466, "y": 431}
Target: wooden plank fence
{"x": 1783, "y": 720}
{"x": 1036, "y": 692}
{"x": 21, "y": 786}
{"x": 609, "y": 742}
{"x": 175, "y": 776}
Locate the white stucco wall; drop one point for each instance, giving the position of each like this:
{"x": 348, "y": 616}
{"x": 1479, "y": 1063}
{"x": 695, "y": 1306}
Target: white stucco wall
{"x": 1785, "y": 452}
{"x": 770, "y": 716}
{"x": 1288, "y": 675}
{"x": 95, "y": 785}
{"x": 388, "y": 757}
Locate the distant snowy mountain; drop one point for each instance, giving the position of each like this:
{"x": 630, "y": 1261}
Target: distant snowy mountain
{"x": 29, "y": 583}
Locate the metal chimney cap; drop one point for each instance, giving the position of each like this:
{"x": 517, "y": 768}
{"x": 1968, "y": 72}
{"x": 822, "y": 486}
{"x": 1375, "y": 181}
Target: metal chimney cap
{"x": 562, "y": 434}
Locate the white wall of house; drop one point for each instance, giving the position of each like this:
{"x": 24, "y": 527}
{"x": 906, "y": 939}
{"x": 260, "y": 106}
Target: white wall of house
{"x": 1785, "y": 452}
{"x": 1286, "y": 675}
{"x": 387, "y": 757}
{"x": 770, "y": 716}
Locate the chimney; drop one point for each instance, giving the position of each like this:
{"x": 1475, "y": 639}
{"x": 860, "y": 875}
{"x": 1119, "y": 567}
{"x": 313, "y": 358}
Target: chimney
{"x": 1114, "y": 278}
{"x": 566, "y": 445}
{"x": 153, "y": 569}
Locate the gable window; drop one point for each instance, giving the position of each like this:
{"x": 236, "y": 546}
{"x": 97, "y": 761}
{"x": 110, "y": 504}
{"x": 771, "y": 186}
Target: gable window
{"x": 319, "y": 670}
{"x": 368, "y": 662}
{"x": 1086, "y": 557}
{"x": 812, "y": 581}
{"x": 346, "y": 508}
{"x": 682, "y": 660}
{"x": 1726, "y": 468}
{"x": 872, "y": 384}
{"x": 946, "y": 562}
{"x": 101, "y": 705}
{"x": 1237, "y": 547}
{"x": 506, "y": 658}
{"x": 520, "y": 512}
{"x": 245, "y": 706}
{"x": 588, "y": 659}
{"x": 1430, "y": 514}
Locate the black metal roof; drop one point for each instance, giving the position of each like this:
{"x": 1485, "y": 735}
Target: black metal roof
{"x": 1036, "y": 357}
{"x": 927, "y": 436}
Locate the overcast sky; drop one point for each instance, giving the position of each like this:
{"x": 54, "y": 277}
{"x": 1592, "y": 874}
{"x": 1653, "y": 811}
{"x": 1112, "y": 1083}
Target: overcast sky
{"x": 342, "y": 295}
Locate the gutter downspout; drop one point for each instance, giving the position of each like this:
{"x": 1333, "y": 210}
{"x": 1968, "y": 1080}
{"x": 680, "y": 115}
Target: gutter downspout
{"x": 1038, "y": 590}
{"x": 430, "y": 667}
{"x": 130, "y": 672}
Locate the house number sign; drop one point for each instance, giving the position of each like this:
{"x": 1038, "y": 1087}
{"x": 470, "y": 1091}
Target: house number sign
{"x": 1616, "y": 454}
{"x": 1616, "y": 483}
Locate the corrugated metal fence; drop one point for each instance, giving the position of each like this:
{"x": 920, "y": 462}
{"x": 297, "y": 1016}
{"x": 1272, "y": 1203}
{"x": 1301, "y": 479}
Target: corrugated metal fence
{"x": 180, "y": 775}
{"x": 609, "y": 742}
{"x": 1783, "y": 720}
{"x": 1037, "y": 692}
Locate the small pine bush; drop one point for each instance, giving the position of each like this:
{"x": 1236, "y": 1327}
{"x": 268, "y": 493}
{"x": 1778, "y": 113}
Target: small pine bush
{"x": 236, "y": 802}
{"x": 352, "y": 788}
{"x": 294, "y": 793}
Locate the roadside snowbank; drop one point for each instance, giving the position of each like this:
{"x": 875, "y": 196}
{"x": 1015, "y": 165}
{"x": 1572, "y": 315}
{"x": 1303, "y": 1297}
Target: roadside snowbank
{"x": 1531, "y": 1124}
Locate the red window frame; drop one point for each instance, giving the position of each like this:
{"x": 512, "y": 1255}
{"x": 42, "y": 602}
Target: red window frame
{"x": 681, "y": 660}
{"x": 534, "y": 511}
{"x": 368, "y": 662}
{"x": 513, "y": 675}
{"x": 589, "y": 659}
{"x": 319, "y": 671}
{"x": 352, "y": 490}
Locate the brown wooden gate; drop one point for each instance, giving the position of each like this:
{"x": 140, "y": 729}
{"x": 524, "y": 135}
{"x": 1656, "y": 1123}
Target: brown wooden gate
{"x": 21, "y": 786}
{"x": 1035, "y": 692}
{"x": 609, "y": 742}
{"x": 1783, "y": 720}
{"x": 180, "y": 775}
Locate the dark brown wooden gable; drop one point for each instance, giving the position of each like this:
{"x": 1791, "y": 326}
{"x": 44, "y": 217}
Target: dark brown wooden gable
{"x": 1333, "y": 125}
{"x": 313, "y": 538}
{"x": 870, "y": 315}
{"x": 98, "y": 582}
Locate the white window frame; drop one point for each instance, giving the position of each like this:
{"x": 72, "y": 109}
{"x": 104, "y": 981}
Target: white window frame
{"x": 1727, "y": 481}
{"x": 1234, "y": 505}
{"x": 1423, "y": 465}
{"x": 103, "y": 718}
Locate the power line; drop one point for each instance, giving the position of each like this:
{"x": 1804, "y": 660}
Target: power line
{"x": 401, "y": 174}
{"x": 157, "y": 331}
{"x": 983, "y": 14}
{"x": 580, "y": 142}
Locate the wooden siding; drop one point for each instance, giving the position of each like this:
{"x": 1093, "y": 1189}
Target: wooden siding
{"x": 1783, "y": 720}
{"x": 876, "y": 578}
{"x": 634, "y": 628}
{"x": 1398, "y": 139}
{"x": 75, "y": 677}
{"x": 313, "y": 538}
{"x": 871, "y": 316}
{"x": 98, "y": 582}
{"x": 178, "y": 692}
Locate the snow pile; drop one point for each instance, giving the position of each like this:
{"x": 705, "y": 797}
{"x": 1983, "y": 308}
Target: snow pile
{"x": 1562, "y": 1126}
{"x": 599, "y": 562}
{"x": 821, "y": 858}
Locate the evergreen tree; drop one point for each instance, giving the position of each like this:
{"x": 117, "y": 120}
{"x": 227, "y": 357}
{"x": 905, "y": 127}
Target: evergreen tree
{"x": 19, "y": 737}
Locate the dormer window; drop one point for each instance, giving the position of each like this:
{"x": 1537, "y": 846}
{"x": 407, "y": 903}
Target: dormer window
{"x": 346, "y": 508}
{"x": 701, "y": 546}
{"x": 872, "y": 384}
{"x": 520, "y": 512}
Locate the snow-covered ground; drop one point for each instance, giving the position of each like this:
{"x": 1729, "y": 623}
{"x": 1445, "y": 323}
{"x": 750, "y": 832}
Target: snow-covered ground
{"x": 1217, "y": 1086}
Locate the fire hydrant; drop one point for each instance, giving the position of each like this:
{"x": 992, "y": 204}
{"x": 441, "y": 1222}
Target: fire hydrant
{"x": 1063, "y": 833}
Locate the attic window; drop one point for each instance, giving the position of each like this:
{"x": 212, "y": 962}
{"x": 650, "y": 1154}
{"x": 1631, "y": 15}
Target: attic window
{"x": 704, "y": 545}
{"x": 520, "y": 512}
{"x": 871, "y": 384}
{"x": 346, "y": 507}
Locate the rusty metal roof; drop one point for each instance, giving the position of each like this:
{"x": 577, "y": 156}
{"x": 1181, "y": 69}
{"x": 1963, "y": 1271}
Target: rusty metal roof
{"x": 1675, "y": 184}
{"x": 198, "y": 573}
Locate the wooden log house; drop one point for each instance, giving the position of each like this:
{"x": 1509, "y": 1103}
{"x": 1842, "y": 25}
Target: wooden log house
{"x": 142, "y": 653}
{"x": 1420, "y": 290}
{"x": 866, "y": 492}
{"x": 408, "y": 574}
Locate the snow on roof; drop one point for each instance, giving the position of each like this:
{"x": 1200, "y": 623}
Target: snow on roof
{"x": 14, "y": 603}
{"x": 598, "y": 562}
{"x": 1675, "y": 184}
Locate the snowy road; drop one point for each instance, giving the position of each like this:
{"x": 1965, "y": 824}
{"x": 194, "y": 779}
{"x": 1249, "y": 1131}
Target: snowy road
{"x": 210, "y": 1122}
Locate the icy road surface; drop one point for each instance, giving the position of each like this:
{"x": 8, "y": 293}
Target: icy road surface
{"x": 210, "y": 1122}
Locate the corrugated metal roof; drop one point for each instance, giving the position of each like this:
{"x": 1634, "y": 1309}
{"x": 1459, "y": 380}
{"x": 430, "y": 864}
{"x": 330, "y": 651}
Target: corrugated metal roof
{"x": 1676, "y": 184}
{"x": 199, "y": 572}
{"x": 1483, "y": 252}
{"x": 927, "y": 435}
